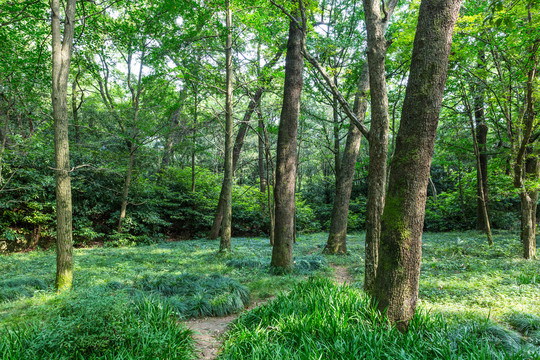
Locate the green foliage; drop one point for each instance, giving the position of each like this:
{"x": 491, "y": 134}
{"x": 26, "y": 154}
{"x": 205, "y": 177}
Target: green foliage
{"x": 194, "y": 295}
{"x": 338, "y": 322}
{"x": 12, "y": 289}
{"x": 101, "y": 325}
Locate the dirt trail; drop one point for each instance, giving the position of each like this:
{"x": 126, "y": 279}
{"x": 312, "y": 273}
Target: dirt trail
{"x": 207, "y": 332}
{"x": 342, "y": 275}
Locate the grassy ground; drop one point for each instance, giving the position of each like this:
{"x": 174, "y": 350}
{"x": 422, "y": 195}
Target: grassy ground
{"x": 462, "y": 280}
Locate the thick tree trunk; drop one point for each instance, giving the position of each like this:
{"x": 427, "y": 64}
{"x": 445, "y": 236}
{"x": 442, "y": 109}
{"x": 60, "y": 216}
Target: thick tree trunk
{"x": 239, "y": 142}
{"x": 61, "y": 51}
{"x": 225, "y": 243}
{"x": 127, "y": 184}
{"x": 337, "y": 238}
{"x": 396, "y": 281}
{"x": 378, "y": 136}
{"x": 286, "y": 162}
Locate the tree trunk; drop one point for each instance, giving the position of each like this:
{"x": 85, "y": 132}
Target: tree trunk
{"x": 61, "y": 51}
{"x": 481, "y": 139}
{"x": 480, "y": 174}
{"x": 225, "y": 243}
{"x": 286, "y": 162}
{"x": 396, "y": 282}
{"x": 194, "y": 138}
{"x": 337, "y": 238}
{"x": 3, "y": 142}
{"x": 262, "y": 173}
{"x": 239, "y": 142}
{"x": 378, "y": 136}
{"x": 127, "y": 184}
{"x": 529, "y": 201}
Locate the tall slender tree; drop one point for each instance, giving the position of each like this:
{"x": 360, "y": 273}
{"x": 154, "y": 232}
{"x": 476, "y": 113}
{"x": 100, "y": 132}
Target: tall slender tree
{"x": 225, "y": 243}
{"x": 286, "y": 159}
{"x": 62, "y": 45}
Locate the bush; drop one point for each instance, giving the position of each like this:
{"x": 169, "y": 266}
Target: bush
{"x": 13, "y": 289}
{"x": 322, "y": 320}
{"x": 101, "y": 325}
{"x": 196, "y": 296}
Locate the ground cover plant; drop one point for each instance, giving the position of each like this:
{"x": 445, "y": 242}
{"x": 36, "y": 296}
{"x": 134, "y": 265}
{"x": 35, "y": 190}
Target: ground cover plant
{"x": 319, "y": 319}
{"x": 468, "y": 290}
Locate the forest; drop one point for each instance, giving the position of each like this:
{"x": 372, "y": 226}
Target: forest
{"x": 269, "y": 179}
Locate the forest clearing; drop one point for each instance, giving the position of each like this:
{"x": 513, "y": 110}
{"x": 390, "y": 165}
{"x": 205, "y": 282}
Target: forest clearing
{"x": 269, "y": 179}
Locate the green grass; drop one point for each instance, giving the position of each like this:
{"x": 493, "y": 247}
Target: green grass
{"x": 319, "y": 319}
{"x": 465, "y": 285}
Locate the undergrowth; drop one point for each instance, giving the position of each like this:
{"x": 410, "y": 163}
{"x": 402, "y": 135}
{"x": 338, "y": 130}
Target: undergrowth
{"x": 100, "y": 325}
{"x": 195, "y": 296}
{"x": 319, "y": 320}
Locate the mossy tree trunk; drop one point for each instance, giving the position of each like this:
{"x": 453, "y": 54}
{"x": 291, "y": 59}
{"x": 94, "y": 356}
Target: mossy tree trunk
{"x": 378, "y": 135}
{"x": 396, "y": 283}
{"x": 286, "y": 161}
{"x": 61, "y": 59}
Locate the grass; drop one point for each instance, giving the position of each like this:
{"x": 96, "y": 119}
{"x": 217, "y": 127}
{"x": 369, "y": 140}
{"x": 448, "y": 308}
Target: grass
{"x": 320, "y": 320}
{"x": 465, "y": 285}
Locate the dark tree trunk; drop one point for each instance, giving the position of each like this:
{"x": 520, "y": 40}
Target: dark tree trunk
{"x": 378, "y": 136}
{"x": 337, "y": 238}
{"x": 225, "y": 243}
{"x": 61, "y": 59}
{"x": 481, "y": 139}
{"x": 396, "y": 281}
{"x": 262, "y": 172}
{"x": 286, "y": 162}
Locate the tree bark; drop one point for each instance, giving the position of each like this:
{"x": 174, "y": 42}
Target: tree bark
{"x": 286, "y": 162}
{"x": 529, "y": 201}
{"x": 337, "y": 238}
{"x": 262, "y": 172}
{"x": 239, "y": 142}
{"x": 396, "y": 283}
{"x": 378, "y": 136}
{"x": 225, "y": 243}
{"x": 61, "y": 59}
{"x": 481, "y": 139}
{"x": 127, "y": 184}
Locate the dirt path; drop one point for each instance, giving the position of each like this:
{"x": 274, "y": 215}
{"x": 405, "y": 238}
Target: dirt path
{"x": 207, "y": 332}
{"x": 341, "y": 275}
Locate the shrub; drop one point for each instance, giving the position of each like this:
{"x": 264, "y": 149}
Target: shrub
{"x": 101, "y": 325}
{"x": 319, "y": 319}
{"x": 195, "y": 296}
{"x": 13, "y": 289}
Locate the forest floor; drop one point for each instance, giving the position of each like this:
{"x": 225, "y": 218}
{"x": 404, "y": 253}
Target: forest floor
{"x": 462, "y": 279}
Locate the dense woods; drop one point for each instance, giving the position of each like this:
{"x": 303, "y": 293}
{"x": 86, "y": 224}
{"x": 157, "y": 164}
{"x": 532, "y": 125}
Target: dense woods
{"x": 135, "y": 123}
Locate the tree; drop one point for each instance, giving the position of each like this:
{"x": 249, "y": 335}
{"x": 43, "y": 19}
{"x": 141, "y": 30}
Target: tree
{"x": 396, "y": 282}
{"x": 62, "y": 45}
{"x": 225, "y": 243}
{"x": 286, "y": 159}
